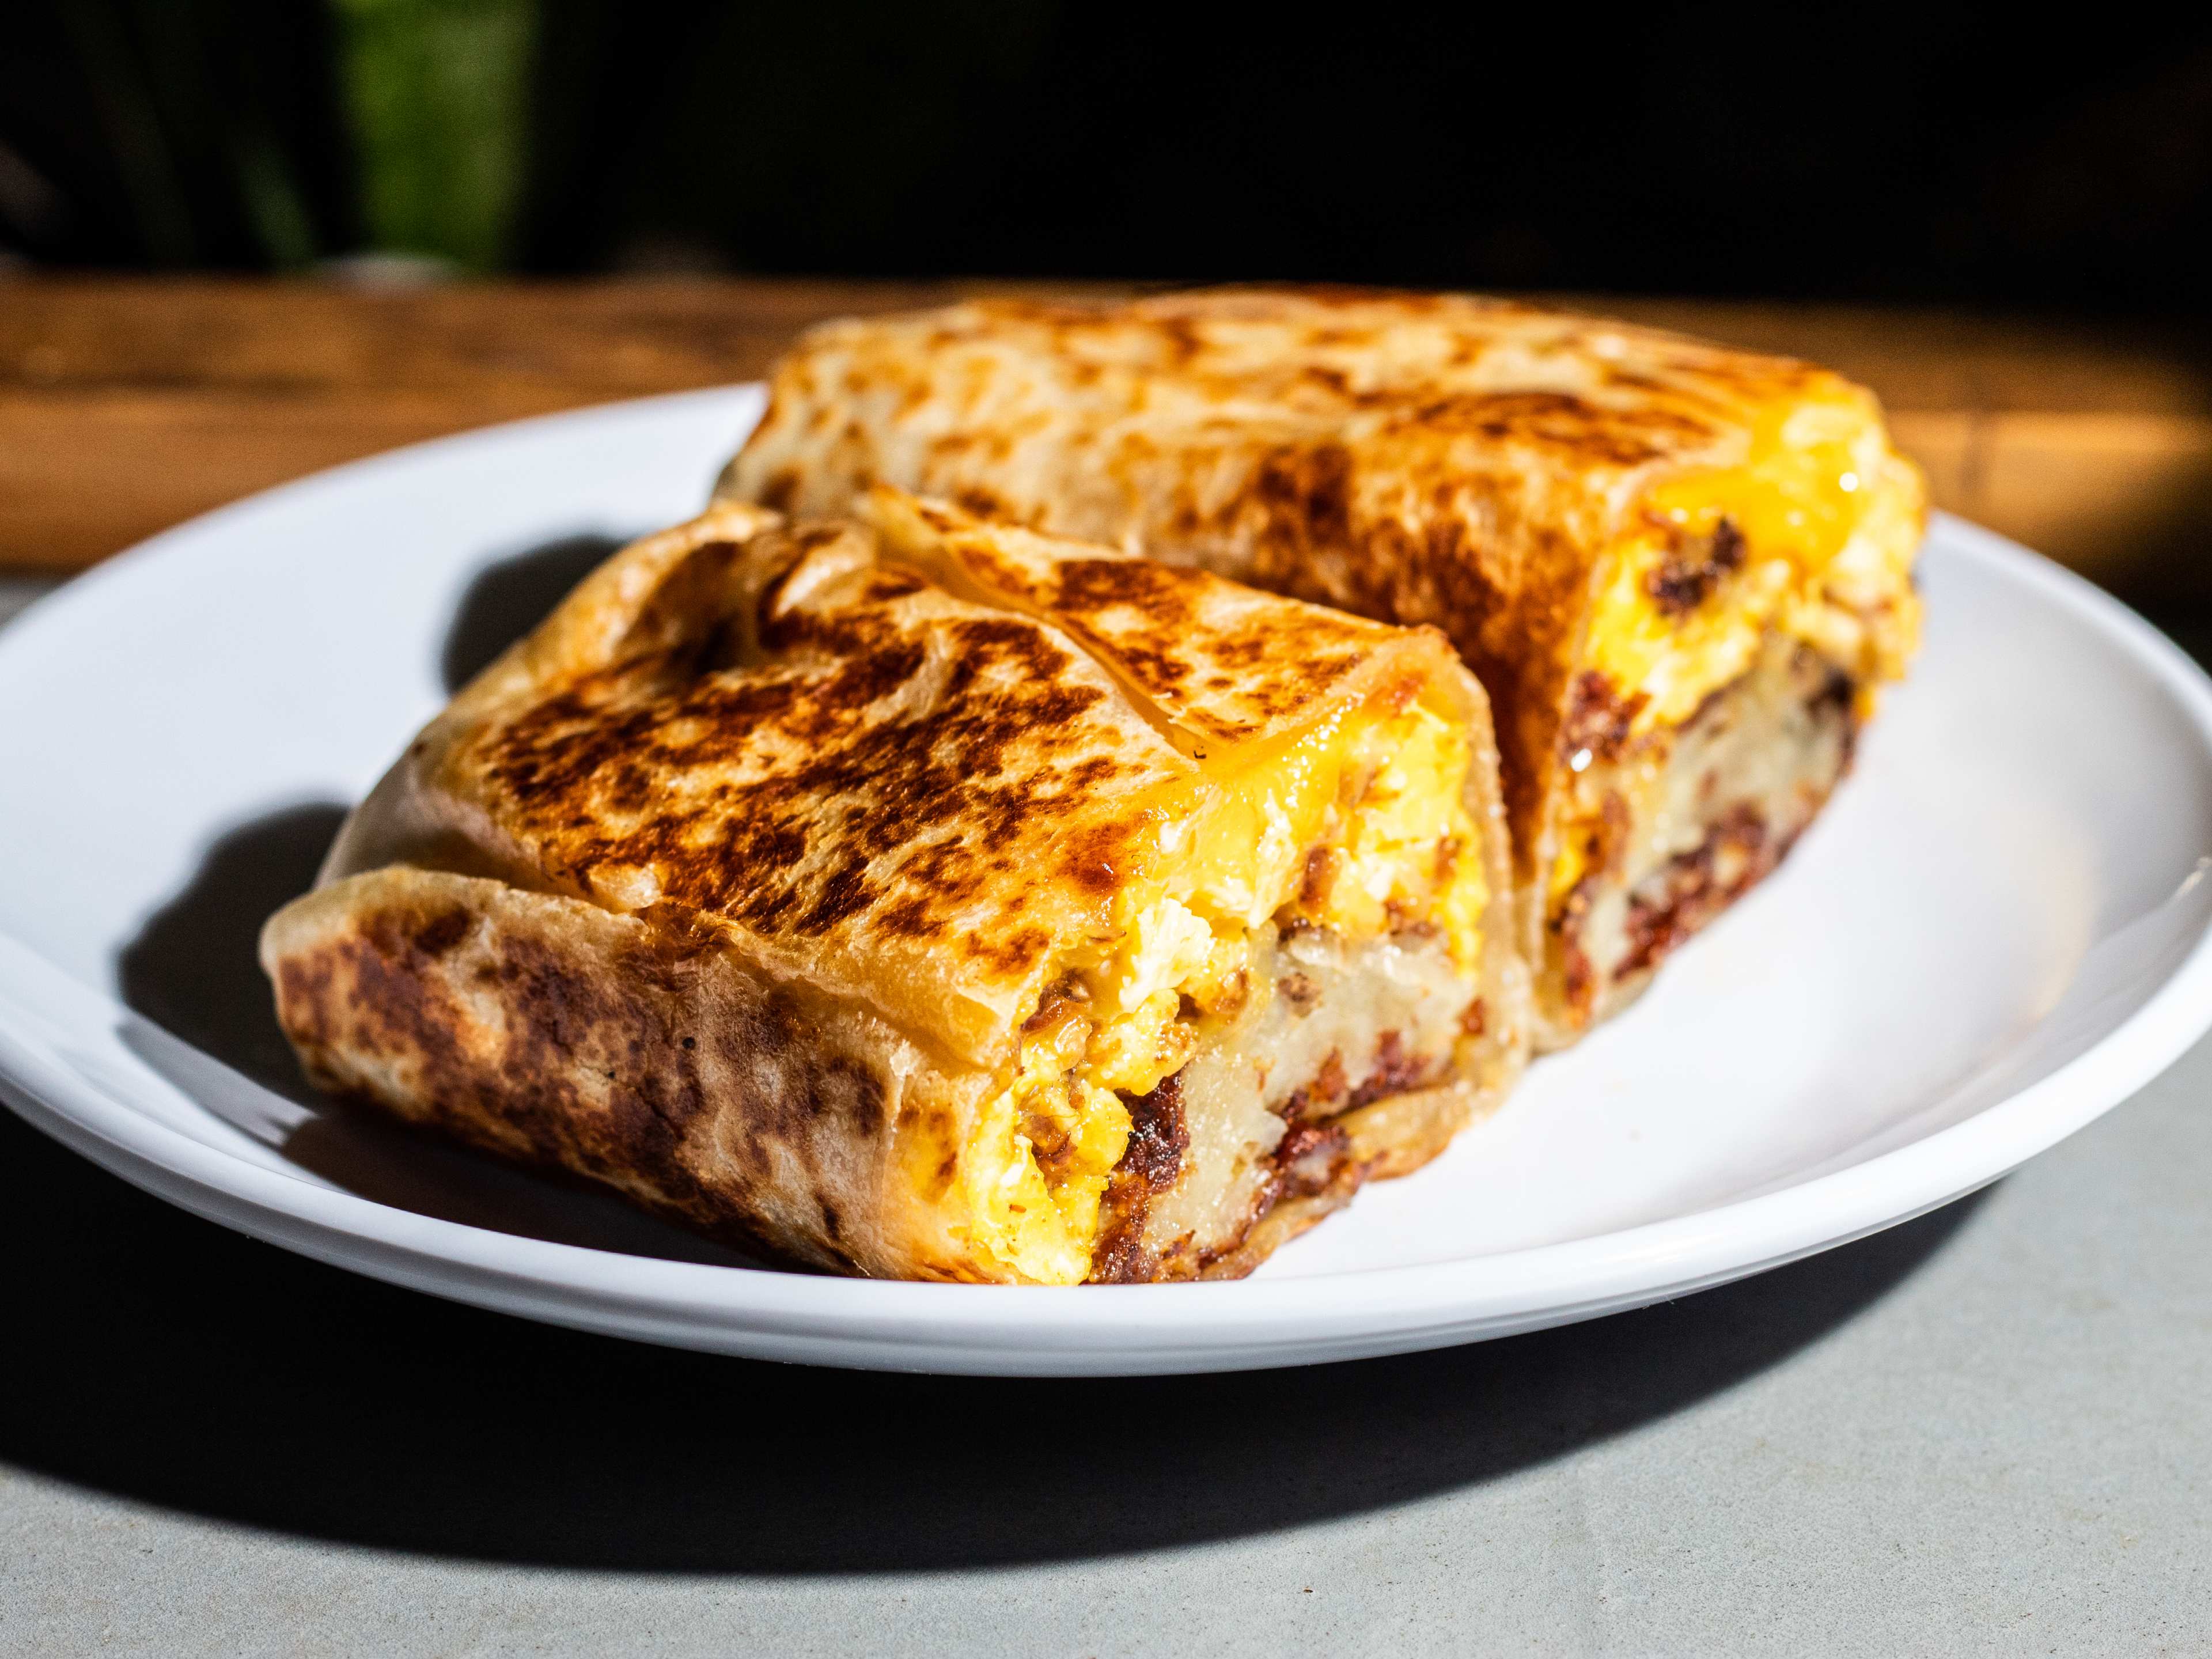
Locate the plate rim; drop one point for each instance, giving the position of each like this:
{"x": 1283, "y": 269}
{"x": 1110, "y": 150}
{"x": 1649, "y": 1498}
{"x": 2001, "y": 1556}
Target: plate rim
{"x": 1116, "y": 1329}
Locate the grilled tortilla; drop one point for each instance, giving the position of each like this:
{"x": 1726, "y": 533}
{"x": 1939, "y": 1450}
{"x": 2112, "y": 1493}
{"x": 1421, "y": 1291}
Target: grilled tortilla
{"x": 914, "y": 896}
{"x": 1680, "y": 570}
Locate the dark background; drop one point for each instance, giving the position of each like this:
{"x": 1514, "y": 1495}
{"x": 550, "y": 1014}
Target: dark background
{"x": 1940, "y": 152}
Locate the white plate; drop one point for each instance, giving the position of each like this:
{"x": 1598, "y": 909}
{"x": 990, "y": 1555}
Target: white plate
{"x": 1996, "y": 933}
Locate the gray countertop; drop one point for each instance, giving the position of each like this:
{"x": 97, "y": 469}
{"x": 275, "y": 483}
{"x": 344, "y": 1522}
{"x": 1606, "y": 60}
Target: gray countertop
{"x": 1986, "y": 1430}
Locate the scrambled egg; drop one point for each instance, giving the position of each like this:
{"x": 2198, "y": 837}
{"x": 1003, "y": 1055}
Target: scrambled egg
{"x": 1039, "y": 1157}
{"x": 1830, "y": 520}
{"x": 1358, "y": 825}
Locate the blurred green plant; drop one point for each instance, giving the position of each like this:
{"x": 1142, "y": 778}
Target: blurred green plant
{"x": 476, "y": 136}
{"x": 438, "y": 92}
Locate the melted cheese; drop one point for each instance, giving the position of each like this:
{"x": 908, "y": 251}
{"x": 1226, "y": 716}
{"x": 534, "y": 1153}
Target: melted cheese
{"x": 1375, "y": 797}
{"x": 1830, "y": 518}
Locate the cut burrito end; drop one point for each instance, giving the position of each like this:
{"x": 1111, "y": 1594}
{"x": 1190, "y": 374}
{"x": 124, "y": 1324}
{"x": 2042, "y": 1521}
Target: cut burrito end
{"x": 1741, "y": 624}
{"x": 1680, "y": 571}
{"x": 915, "y": 896}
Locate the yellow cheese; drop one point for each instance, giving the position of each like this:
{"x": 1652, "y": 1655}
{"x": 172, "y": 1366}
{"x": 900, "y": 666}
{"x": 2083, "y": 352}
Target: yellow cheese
{"x": 1380, "y": 792}
{"x": 1829, "y": 518}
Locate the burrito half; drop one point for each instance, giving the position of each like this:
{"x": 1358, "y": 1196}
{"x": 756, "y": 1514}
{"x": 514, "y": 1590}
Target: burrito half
{"x": 1680, "y": 571}
{"x": 908, "y": 895}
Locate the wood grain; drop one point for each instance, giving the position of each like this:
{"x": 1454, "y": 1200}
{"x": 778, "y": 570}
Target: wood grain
{"x": 129, "y": 406}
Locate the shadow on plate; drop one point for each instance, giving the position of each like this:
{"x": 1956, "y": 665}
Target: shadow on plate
{"x": 509, "y": 597}
{"x": 182, "y": 1364}
{"x": 194, "y": 971}
{"x": 193, "y": 968}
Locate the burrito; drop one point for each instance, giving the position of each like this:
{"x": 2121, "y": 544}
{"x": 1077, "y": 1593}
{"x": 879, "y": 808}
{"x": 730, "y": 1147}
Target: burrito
{"x": 1680, "y": 571}
{"x": 909, "y": 895}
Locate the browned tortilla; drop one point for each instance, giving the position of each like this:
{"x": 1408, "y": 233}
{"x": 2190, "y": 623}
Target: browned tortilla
{"x": 1415, "y": 457}
{"x": 734, "y": 885}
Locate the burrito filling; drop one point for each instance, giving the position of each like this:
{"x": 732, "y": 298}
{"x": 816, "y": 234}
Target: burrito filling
{"x": 1732, "y": 654}
{"x": 1348, "y": 843}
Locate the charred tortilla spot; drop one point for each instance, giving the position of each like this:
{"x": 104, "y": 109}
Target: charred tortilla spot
{"x": 886, "y": 586}
{"x": 630, "y": 788}
{"x": 805, "y": 539}
{"x": 1304, "y": 495}
{"x": 1099, "y": 860}
{"x": 1018, "y": 642}
{"x": 1182, "y": 340}
{"x": 846, "y": 893}
{"x": 1013, "y": 955}
{"x": 1572, "y": 427}
{"x": 305, "y": 1004}
{"x": 441, "y": 934}
{"x": 907, "y": 918}
{"x": 1160, "y": 595}
{"x": 1155, "y": 670}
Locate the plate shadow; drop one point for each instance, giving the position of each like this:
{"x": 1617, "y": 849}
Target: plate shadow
{"x": 195, "y": 969}
{"x": 509, "y": 597}
{"x": 186, "y": 1365}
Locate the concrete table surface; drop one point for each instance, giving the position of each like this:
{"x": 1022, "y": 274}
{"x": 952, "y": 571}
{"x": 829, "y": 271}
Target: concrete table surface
{"x": 1987, "y": 1431}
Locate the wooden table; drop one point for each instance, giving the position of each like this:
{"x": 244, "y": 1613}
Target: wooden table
{"x": 127, "y": 406}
